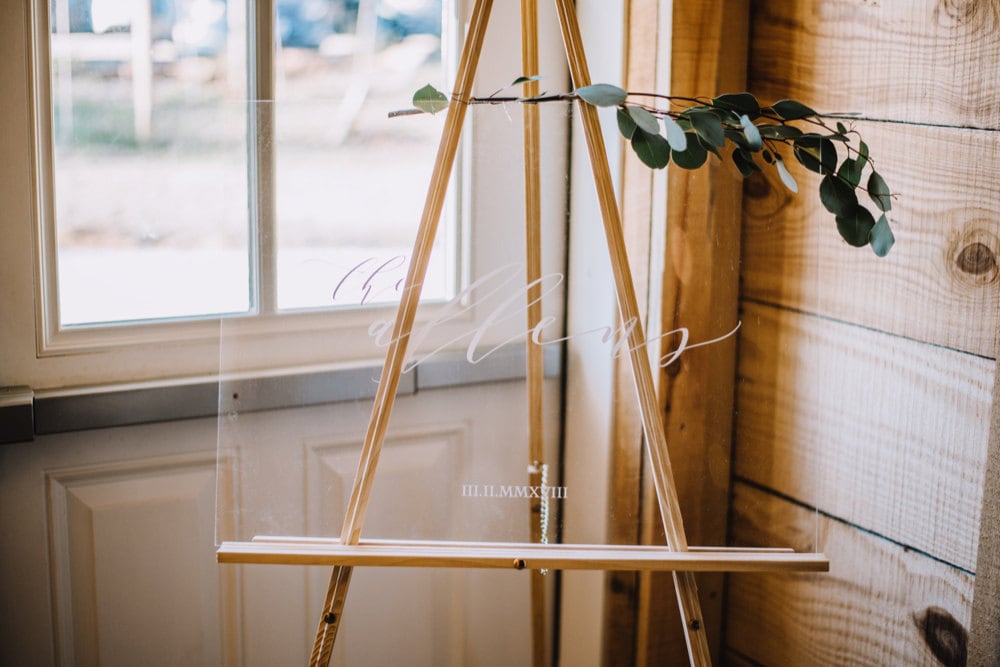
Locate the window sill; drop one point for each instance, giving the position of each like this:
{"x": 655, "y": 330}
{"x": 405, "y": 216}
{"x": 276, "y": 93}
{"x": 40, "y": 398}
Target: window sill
{"x": 25, "y": 413}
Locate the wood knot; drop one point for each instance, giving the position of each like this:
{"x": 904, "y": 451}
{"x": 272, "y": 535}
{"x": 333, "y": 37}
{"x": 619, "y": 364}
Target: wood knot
{"x": 954, "y": 12}
{"x": 947, "y": 639}
{"x": 977, "y": 259}
{"x": 973, "y": 257}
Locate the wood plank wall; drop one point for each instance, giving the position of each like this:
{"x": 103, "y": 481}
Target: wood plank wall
{"x": 865, "y": 385}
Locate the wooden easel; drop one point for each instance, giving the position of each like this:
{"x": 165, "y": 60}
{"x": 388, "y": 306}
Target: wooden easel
{"x": 350, "y": 550}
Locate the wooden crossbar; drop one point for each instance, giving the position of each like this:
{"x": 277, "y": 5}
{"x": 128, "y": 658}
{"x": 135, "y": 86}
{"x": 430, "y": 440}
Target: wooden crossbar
{"x": 485, "y": 555}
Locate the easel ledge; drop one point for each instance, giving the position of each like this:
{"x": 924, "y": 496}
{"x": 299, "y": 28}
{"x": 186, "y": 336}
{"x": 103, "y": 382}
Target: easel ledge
{"x": 276, "y": 550}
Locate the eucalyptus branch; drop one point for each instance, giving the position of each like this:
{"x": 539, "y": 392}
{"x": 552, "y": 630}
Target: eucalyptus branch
{"x": 692, "y": 128}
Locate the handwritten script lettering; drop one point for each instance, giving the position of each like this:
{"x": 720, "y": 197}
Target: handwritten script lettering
{"x": 374, "y": 274}
{"x": 502, "y": 295}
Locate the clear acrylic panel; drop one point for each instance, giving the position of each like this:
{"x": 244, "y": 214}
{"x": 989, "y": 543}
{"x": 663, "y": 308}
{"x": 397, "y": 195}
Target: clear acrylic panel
{"x": 455, "y": 461}
{"x": 456, "y": 447}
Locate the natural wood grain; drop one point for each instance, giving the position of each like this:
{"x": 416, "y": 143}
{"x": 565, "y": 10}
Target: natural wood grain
{"x": 386, "y": 553}
{"x": 533, "y": 274}
{"x": 984, "y": 647}
{"x": 530, "y": 546}
{"x": 863, "y": 612}
{"x": 940, "y": 283}
{"x": 731, "y": 658}
{"x": 621, "y": 591}
{"x": 887, "y": 433}
{"x": 923, "y": 61}
{"x": 700, "y": 291}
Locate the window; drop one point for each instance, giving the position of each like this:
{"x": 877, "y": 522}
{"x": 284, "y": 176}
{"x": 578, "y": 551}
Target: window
{"x": 175, "y": 197}
{"x": 164, "y": 199}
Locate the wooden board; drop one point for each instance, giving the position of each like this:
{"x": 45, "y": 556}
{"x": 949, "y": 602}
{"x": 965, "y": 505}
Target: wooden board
{"x": 700, "y": 293}
{"x": 621, "y": 589}
{"x": 865, "y": 611}
{"x": 887, "y": 433}
{"x": 507, "y": 556}
{"x": 985, "y": 639}
{"x": 940, "y": 283}
{"x": 921, "y": 61}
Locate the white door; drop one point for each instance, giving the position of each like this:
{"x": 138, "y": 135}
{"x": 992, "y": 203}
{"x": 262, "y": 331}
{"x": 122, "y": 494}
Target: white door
{"x": 109, "y": 515}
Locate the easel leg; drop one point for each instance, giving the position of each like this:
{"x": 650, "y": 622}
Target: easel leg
{"x": 333, "y": 607}
{"x": 533, "y": 274}
{"x": 656, "y": 441}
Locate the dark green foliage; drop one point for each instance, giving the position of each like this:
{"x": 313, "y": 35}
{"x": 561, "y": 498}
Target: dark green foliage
{"x": 792, "y": 110}
{"x": 652, "y": 149}
{"x": 837, "y": 196}
{"x": 693, "y": 128}
{"x": 856, "y": 227}
{"x": 693, "y": 157}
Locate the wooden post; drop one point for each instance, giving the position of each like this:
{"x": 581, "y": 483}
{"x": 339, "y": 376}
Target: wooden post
{"x": 984, "y": 645}
{"x": 700, "y": 292}
{"x": 533, "y": 275}
{"x": 621, "y": 593}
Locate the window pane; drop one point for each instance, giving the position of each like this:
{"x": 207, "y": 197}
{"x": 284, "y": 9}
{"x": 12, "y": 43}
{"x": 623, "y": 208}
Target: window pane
{"x": 150, "y": 158}
{"x": 351, "y": 182}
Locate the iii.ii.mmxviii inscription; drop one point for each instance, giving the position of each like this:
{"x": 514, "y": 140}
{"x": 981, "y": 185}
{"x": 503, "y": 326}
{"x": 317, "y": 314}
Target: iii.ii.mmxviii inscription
{"x": 512, "y": 491}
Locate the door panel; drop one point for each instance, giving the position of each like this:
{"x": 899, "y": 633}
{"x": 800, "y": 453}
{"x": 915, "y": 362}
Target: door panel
{"x": 133, "y": 579}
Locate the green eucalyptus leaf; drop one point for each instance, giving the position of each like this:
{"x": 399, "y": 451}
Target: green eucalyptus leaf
{"x": 645, "y": 120}
{"x": 709, "y": 147}
{"x": 862, "y": 159}
{"x": 693, "y": 157}
{"x": 850, "y": 171}
{"x": 741, "y": 103}
{"x": 676, "y": 136}
{"x": 837, "y": 196}
{"x": 792, "y": 110}
{"x": 779, "y": 131}
{"x": 652, "y": 149}
{"x": 430, "y": 100}
{"x": 784, "y": 174}
{"x": 728, "y": 118}
{"x": 878, "y": 190}
{"x": 525, "y": 79}
{"x": 751, "y": 132}
{"x": 882, "y": 238}
{"x": 743, "y": 160}
{"x": 816, "y": 153}
{"x": 602, "y": 95}
{"x": 626, "y": 125}
{"x": 840, "y": 128}
{"x": 709, "y": 127}
{"x": 737, "y": 137}
{"x": 856, "y": 227}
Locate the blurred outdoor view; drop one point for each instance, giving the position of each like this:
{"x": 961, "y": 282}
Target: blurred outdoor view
{"x": 153, "y": 183}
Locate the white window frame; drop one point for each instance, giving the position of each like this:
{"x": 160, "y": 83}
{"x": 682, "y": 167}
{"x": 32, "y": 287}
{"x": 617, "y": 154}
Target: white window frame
{"x": 151, "y": 351}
